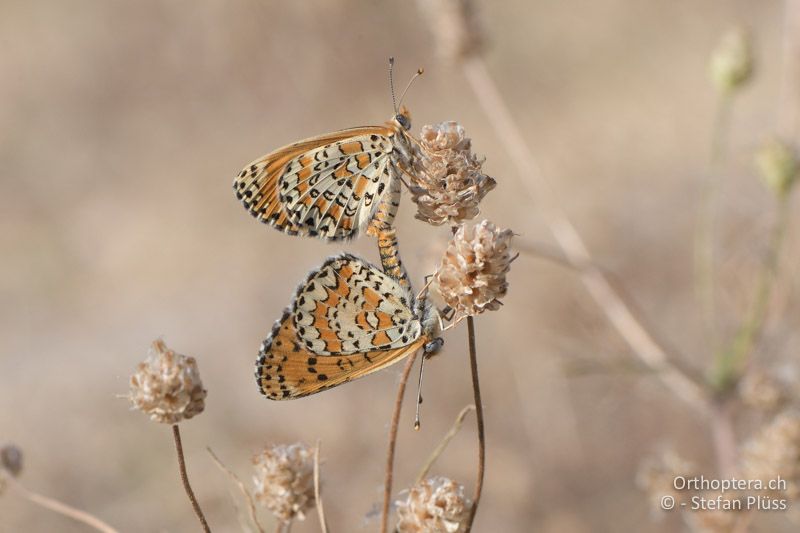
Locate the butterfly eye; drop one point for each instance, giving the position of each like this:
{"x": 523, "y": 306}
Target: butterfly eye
{"x": 403, "y": 120}
{"x": 433, "y": 347}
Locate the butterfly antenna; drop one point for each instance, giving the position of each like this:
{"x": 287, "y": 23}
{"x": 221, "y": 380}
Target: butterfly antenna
{"x": 419, "y": 392}
{"x": 417, "y": 75}
{"x": 391, "y": 83}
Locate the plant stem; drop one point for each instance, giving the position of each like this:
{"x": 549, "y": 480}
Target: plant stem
{"x": 58, "y": 507}
{"x": 317, "y": 496}
{"x": 251, "y": 507}
{"x": 395, "y": 423}
{"x": 443, "y": 444}
{"x": 704, "y": 256}
{"x": 724, "y": 438}
{"x": 176, "y": 433}
{"x": 621, "y": 315}
{"x": 476, "y": 389}
{"x": 731, "y": 362}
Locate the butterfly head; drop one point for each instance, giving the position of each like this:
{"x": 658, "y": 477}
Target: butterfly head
{"x": 403, "y": 118}
{"x": 431, "y": 327}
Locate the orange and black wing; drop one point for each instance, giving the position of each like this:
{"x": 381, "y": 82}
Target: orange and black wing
{"x": 287, "y": 370}
{"x": 328, "y": 186}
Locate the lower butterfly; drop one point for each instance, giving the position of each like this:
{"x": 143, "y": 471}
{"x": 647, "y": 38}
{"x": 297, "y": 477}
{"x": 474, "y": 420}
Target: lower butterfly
{"x": 333, "y": 186}
{"x": 347, "y": 319}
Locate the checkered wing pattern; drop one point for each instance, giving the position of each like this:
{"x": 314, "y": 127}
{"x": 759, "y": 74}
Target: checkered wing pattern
{"x": 347, "y": 320}
{"x": 330, "y": 186}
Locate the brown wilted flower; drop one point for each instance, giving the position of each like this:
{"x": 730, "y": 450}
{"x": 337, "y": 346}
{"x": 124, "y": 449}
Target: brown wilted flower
{"x": 761, "y": 391}
{"x": 656, "y": 476}
{"x": 732, "y": 61}
{"x": 455, "y": 27}
{"x": 449, "y": 183}
{"x": 436, "y": 505}
{"x": 284, "y": 480}
{"x": 472, "y": 275}
{"x": 778, "y": 165}
{"x": 774, "y": 451}
{"x": 167, "y": 386}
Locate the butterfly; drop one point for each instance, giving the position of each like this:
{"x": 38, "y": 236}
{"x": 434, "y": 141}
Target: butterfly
{"x": 333, "y": 186}
{"x": 347, "y": 319}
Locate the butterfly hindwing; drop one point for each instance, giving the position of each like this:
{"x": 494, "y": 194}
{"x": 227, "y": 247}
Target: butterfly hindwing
{"x": 329, "y": 186}
{"x": 348, "y": 320}
{"x": 286, "y": 370}
{"x": 348, "y": 306}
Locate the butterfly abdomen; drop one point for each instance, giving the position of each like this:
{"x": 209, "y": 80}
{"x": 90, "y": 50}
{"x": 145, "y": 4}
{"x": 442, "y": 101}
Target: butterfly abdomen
{"x": 390, "y": 256}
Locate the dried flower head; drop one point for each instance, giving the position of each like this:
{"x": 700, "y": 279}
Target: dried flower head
{"x": 775, "y": 451}
{"x": 656, "y": 476}
{"x": 449, "y": 184}
{"x": 167, "y": 386}
{"x": 717, "y": 520}
{"x": 777, "y": 163}
{"x": 284, "y": 480}
{"x": 761, "y": 391}
{"x": 455, "y": 27}
{"x": 472, "y": 275}
{"x": 436, "y": 505}
{"x": 732, "y": 61}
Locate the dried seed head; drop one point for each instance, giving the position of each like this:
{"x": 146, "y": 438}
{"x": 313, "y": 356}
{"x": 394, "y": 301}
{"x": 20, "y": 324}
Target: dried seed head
{"x": 716, "y": 520}
{"x": 775, "y": 451}
{"x": 656, "y": 476}
{"x": 455, "y": 27}
{"x": 284, "y": 480}
{"x": 732, "y": 61}
{"x": 449, "y": 184}
{"x": 167, "y": 386}
{"x": 761, "y": 391}
{"x": 777, "y": 163}
{"x": 472, "y": 275}
{"x": 436, "y": 505}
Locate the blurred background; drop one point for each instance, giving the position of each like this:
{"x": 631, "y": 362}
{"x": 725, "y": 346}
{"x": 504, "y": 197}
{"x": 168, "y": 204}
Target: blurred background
{"x": 123, "y": 125}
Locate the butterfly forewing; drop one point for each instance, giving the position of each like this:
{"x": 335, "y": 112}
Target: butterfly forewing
{"x": 331, "y": 186}
{"x": 347, "y": 320}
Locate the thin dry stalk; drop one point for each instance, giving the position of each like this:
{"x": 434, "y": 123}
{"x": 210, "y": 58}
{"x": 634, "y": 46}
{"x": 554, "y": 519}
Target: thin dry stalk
{"x": 476, "y": 389}
{"x": 398, "y": 405}
{"x": 732, "y": 362}
{"x": 317, "y": 497}
{"x": 724, "y": 437}
{"x": 621, "y": 315}
{"x": 556, "y": 256}
{"x": 60, "y": 508}
{"x": 544, "y": 251}
{"x": 176, "y": 433}
{"x": 704, "y": 238}
{"x": 443, "y": 444}
{"x": 251, "y": 506}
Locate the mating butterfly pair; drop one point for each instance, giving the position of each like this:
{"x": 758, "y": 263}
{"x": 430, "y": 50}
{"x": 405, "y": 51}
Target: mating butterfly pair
{"x": 347, "y": 319}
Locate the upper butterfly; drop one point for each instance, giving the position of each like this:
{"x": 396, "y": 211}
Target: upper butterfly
{"x": 332, "y": 186}
{"x": 347, "y": 319}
